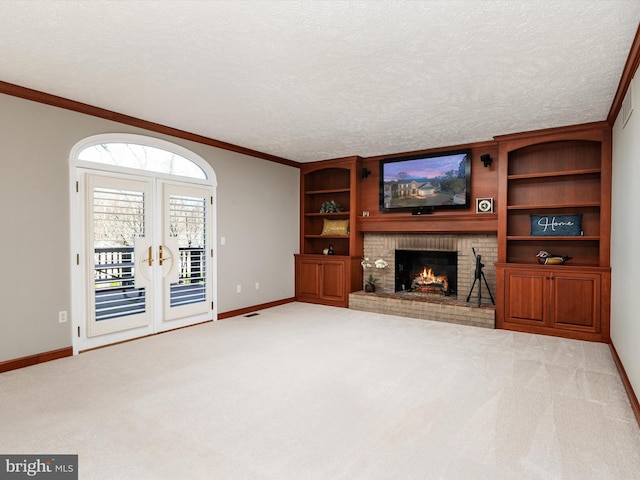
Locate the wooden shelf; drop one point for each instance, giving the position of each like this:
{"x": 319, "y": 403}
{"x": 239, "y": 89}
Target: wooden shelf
{"x": 332, "y": 214}
{"x": 327, "y": 191}
{"x": 554, "y": 206}
{"x": 327, "y": 236}
{"x": 439, "y": 223}
{"x": 538, "y": 238}
{"x": 566, "y": 266}
{"x": 584, "y": 171}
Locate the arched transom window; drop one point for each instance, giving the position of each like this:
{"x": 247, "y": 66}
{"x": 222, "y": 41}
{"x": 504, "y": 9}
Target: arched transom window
{"x": 141, "y": 157}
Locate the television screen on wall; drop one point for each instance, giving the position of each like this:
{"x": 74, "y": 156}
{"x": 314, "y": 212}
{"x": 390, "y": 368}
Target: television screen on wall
{"x": 426, "y": 182}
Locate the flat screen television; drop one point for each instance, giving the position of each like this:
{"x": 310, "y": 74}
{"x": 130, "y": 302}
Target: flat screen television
{"x": 422, "y": 183}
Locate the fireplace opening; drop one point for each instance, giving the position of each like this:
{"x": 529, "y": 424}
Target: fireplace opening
{"x": 431, "y": 272}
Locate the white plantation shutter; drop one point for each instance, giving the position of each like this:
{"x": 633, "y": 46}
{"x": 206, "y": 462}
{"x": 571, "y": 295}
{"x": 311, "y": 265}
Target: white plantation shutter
{"x": 118, "y": 218}
{"x": 187, "y": 220}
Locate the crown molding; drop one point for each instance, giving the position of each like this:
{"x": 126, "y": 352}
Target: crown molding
{"x": 630, "y": 68}
{"x": 67, "y": 104}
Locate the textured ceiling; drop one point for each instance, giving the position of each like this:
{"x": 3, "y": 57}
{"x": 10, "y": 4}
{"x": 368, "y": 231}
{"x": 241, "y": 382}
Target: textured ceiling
{"x": 309, "y": 80}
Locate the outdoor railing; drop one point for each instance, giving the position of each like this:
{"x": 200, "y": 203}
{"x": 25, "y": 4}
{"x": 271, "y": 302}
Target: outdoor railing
{"x": 114, "y": 266}
{"x": 114, "y": 275}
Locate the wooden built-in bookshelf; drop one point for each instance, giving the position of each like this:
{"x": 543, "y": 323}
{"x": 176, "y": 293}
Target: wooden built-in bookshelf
{"x": 556, "y": 172}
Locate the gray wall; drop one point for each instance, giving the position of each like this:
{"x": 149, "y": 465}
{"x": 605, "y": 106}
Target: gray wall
{"x": 258, "y": 214}
{"x": 625, "y": 249}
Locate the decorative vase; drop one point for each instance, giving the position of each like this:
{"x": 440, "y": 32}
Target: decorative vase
{"x": 369, "y": 287}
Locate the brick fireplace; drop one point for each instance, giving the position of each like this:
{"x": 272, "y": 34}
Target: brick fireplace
{"x": 453, "y": 308}
{"x": 428, "y": 271}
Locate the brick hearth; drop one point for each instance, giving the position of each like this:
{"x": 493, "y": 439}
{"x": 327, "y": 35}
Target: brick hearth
{"x": 413, "y": 305}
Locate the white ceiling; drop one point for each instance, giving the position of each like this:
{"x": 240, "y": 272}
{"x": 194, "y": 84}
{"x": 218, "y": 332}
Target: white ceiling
{"x": 308, "y": 80}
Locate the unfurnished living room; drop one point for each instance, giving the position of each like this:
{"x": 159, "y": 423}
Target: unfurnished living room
{"x": 304, "y": 239}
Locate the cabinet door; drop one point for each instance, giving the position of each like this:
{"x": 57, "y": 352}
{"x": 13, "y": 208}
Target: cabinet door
{"x": 307, "y": 278}
{"x": 332, "y": 280}
{"x": 526, "y": 297}
{"x": 575, "y": 302}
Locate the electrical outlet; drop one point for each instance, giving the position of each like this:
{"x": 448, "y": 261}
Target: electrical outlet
{"x": 238, "y": 288}
{"x": 257, "y": 285}
{"x": 62, "y": 316}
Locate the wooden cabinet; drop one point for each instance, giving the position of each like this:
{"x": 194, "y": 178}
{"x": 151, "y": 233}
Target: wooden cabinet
{"x": 552, "y": 173}
{"x": 328, "y": 279}
{"x": 558, "y": 300}
{"x": 322, "y": 280}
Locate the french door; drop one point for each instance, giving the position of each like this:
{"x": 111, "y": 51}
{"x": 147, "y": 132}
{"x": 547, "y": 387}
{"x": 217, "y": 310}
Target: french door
{"x": 147, "y": 256}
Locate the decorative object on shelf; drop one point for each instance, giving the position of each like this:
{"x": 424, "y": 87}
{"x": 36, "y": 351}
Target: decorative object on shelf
{"x": 335, "y": 227}
{"x": 556, "y": 225}
{"x": 370, "y": 283}
{"x": 484, "y": 205}
{"x": 330, "y": 207}
{"x": 546, "y": 258}
{"x": 328, "y": 250}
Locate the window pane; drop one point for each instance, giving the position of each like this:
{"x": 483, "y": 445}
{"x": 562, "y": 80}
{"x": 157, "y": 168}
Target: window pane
{"x": 118, "y": 217}
{"x": 142, "y": 157}
{"x": 187, "y": 220}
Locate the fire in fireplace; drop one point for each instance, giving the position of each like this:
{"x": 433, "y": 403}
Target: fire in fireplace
{"x": 426, "y": 271}
{"x": 427, "y": 282}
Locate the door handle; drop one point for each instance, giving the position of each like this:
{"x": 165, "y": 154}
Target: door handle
{"x": 149, "y": 258}
{"x": 161, "y": 259}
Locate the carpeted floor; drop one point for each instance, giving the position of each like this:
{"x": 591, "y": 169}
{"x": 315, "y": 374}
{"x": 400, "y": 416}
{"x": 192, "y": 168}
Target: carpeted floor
{"x": 303, "y": 392}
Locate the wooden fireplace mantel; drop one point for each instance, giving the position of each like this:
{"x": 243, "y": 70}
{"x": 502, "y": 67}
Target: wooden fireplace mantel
{"x": 433, "y": 223}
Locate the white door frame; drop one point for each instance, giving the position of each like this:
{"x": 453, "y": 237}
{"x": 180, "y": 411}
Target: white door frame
{"x": 78, "y": 255}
